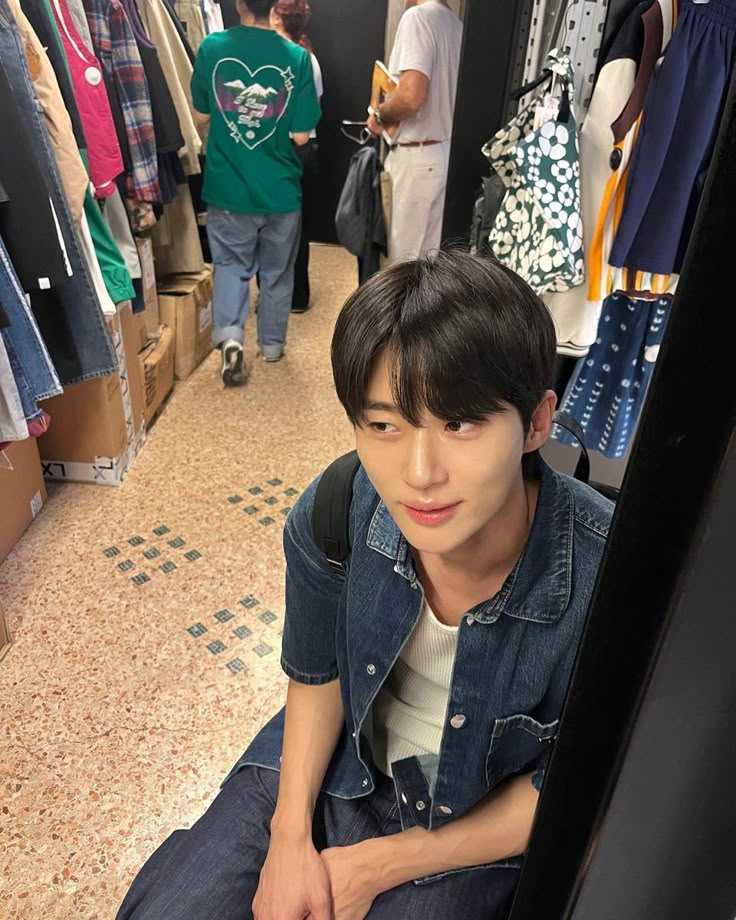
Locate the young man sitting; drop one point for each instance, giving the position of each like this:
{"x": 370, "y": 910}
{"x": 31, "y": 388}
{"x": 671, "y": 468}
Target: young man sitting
{"x": 402, "y": 778}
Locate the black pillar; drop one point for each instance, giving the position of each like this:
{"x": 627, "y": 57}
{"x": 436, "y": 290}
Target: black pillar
{"x": 348, "y": 37}
{"x": 495, "y": 33}
{"x": 648, "y": 719}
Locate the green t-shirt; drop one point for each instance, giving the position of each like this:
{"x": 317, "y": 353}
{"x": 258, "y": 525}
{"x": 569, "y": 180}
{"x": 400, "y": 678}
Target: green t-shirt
{"x": 259, "y": 89}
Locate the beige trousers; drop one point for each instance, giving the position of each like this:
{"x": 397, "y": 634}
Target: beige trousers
{"x": 418, "y": 183}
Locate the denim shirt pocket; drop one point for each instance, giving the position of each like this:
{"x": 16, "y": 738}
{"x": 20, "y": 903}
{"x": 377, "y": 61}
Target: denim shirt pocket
{"x": 517, "y": 744}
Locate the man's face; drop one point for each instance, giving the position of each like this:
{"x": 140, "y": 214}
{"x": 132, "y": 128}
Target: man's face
{"x": 442, "y": 482}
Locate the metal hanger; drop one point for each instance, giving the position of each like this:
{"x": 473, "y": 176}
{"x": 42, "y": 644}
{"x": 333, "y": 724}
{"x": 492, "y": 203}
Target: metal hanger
{"x": 567, "y": 19}
{"x": 365, "y": 135}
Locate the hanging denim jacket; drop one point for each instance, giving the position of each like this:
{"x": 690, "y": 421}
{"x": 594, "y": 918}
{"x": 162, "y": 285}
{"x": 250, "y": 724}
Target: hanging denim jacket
{"x": 514, "y": 654}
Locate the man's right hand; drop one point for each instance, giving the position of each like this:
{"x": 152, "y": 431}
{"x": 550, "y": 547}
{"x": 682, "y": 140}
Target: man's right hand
{"x": 373, "y": 126}
{"x": 294, "y": 884}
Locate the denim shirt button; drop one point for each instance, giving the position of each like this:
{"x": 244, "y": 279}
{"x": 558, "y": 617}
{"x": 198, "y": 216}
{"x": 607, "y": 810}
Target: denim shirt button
{"x": 444, "y": 810}
{"x": 365, "y": 783}
{"x": 470, "y": 621}
{"x": 371, "y": 669}
{"x": 458, "y": 721}
{"x": 420, "y": 806}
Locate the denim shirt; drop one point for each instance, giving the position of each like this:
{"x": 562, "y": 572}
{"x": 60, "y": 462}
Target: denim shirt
{"x": 514, "y": 653}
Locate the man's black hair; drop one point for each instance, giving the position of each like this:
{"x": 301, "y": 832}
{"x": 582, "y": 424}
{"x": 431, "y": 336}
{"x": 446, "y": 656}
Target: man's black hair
{"x": 464, "y": 335}
{"x": 260, "y": 8}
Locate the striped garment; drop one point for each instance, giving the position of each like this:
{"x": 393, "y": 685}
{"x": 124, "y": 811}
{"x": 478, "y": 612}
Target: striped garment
{"x": 116, "y": 48}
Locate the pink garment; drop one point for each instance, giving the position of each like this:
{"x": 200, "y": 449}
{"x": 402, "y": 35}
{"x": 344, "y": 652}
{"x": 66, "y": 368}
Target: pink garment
{"x": 35, "y": 429}
{"x": 103, "y": 149}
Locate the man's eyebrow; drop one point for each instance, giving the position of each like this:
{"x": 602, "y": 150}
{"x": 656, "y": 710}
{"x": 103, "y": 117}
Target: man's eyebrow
{"x": 376, "y": 406}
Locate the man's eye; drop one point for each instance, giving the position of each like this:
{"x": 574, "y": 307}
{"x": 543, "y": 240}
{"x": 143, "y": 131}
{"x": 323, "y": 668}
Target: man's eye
{"x": 381, "y": 427}
{"x": 459, "y": 427}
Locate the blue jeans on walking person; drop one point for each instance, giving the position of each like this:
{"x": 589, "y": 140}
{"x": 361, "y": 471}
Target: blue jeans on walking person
{"x": 241, "y": 245}
{"x": 71, "y": 321}
{"x": 211, "y": 872}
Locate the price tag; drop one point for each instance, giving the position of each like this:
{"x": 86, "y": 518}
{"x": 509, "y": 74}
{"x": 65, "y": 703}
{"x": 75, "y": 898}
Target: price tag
{"x": 547, "y": 110}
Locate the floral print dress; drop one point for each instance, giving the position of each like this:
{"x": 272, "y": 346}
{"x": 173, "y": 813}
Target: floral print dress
{"x": 538, "y": 231}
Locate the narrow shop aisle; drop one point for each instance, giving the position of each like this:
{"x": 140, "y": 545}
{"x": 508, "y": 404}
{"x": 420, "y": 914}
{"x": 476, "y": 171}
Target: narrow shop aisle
{"x": 146, "y": 623}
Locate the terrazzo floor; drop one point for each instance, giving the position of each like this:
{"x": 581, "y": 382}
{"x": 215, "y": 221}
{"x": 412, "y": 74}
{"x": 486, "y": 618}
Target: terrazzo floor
{"x": 146, "y": 623}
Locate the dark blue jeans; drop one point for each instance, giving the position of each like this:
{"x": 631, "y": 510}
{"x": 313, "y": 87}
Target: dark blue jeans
{"x": 70, "y": 317}
{"x": 211, "y": 872}
{"x": 22, "y": 337}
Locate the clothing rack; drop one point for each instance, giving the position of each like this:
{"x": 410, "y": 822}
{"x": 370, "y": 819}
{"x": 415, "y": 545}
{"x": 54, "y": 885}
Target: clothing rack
{"x": 577, "y": 28}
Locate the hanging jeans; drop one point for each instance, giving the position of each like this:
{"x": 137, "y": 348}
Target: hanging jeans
{"x": 23, "y": 335}
{"x": 31, "y": 410}
{"x": 241, "y": 245}
{"x": 69, "y": 316}
{"x": 13, "y": 425}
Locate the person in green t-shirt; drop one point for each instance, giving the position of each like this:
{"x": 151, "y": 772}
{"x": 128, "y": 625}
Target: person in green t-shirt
{"x": 256, "y": 91}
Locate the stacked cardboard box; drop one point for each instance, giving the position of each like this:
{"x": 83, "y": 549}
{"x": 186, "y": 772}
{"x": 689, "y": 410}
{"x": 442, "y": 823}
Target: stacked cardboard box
{"x": 185, "y": 304}
{"x": 157, "y": 371}
{"x": 22, "y": 492}
{"x": 97, "y": 427}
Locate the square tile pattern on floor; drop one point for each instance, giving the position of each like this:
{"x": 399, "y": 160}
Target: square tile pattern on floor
{"x": 147, "y": 623}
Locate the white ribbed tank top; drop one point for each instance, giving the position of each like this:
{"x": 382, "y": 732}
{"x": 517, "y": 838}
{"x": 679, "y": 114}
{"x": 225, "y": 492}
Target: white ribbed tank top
{"x": 409, "y": 711}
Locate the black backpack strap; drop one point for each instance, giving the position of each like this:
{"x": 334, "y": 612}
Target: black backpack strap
{"x": 331, "y": 512}
{"x": 582, "y": 470}
{"x": 566, "y": 421}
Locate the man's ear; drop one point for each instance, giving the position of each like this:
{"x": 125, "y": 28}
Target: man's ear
{"x": 541, "y": 423}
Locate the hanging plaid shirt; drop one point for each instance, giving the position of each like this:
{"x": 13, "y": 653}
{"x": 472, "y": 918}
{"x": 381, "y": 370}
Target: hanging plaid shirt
{"x": 116, "y": 48}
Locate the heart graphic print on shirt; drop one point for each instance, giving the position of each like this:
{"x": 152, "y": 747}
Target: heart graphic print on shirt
{"x": 252, "y": 102}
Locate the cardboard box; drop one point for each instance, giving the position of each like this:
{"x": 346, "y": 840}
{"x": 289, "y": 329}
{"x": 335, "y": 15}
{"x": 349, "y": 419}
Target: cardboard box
{"x": 185, "y": 303}
{"x": 151, "y": 315}
{"x": 141, "y": 331}
{"x": 22, "y": 492}
{"x": 157, "y": 371}
{"x": 97, "y": 427}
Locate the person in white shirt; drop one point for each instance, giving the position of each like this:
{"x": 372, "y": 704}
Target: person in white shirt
{"x": 425, "y": 61}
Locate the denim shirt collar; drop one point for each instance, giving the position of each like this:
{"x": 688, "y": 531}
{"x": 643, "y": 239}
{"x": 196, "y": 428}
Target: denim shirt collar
{"x": 540, "y": 586}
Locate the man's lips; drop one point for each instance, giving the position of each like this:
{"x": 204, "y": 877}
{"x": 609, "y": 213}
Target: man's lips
{"x": 431, "y": 514}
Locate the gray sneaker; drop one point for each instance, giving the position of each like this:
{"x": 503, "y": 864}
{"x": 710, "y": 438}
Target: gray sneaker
{"x": 233, "y": 372}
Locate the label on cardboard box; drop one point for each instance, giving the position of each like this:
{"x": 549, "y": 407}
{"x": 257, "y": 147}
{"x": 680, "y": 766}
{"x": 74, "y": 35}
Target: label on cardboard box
{"x": 205, "y": 317}
{"x": 36, "y": 504}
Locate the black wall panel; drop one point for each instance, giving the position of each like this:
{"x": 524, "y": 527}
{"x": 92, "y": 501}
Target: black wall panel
{"x": 348, "y": 36}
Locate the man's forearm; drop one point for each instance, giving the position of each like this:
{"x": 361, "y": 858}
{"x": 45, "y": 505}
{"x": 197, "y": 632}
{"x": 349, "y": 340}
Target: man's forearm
{"x": 314, "y": 720}
{"x": 497, "y": 828}
{"x": 395, "y": 109}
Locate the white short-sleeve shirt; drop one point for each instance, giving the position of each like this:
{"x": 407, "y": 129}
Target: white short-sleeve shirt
{"x": 429, "y": 39}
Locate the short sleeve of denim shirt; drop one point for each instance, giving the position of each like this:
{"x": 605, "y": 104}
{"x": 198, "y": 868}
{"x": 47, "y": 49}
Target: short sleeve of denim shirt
{"x": 309, "y": 651}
